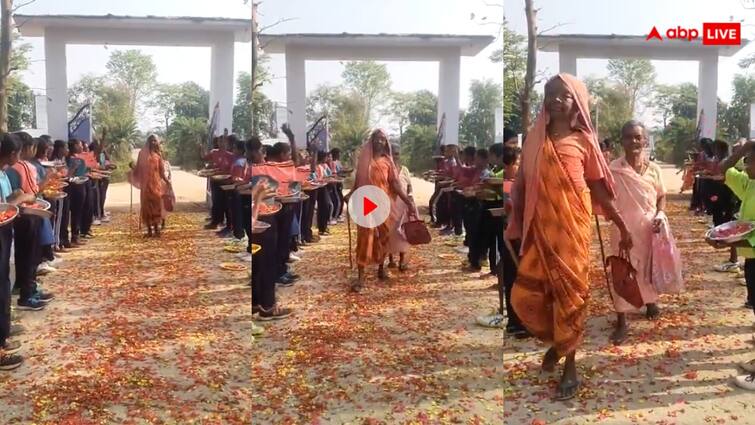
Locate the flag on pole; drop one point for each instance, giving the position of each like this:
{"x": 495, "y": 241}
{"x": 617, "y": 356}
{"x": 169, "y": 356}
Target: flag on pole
{"x": 317, "y": 135}
{"x": 441, "y": 134}
{"x": 80, "y": 127}
{"x": 274, "y": 122}
{"x": 213, "y": 125}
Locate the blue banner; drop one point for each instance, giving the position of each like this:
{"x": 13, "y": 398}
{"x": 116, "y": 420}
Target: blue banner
{"x": 80, "y": 127}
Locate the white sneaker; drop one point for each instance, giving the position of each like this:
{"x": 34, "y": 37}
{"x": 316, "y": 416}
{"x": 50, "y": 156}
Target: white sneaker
{"x": 727, "y": 268}
{"x": 332, "y": 223}
{"x": 748, "y": 367}
{"x": 106, "y": 219}
{"x": 294, "y": 258}
{"x": 45, "y": 268}
{"x": 491, "y": 321}
{"x": 462, "y": 249}
{"x": 746, "y": 382}
{"x": 97, "y": 222}
{"x": 55, "y": 262}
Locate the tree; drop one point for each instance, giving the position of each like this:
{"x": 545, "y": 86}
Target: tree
{"x": 737, "y": 114}
{"x": 135, "y": 71}
{"x": 478, "y": 124}
{"x": 672, "y": 101}
{"x": 187, "y": 99}
{"x": 186, "y": 137}
{"x": 610, "y": 105}
{"x": 263, "y": 109}
{"x": 399, "y": 109}
{"x": 370, "y": 81}
{"x": 348, "y": 122}
{"x": 20, "y": 105}
{"x": 322, "y": 101}
{"x": 529, "y": 75}
{"x": 419, "y": 141}
{"x": 514, "y": 56}
{"x": 423, "y": 109}
{"x": 636, "y": 75}
{"x": 11, "y": 60}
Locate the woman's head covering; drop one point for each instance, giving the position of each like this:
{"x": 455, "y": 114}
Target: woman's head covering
{"x": 365, "y": 158}
{"x": 525, "y": 192}
{"x": 139, "y": 173}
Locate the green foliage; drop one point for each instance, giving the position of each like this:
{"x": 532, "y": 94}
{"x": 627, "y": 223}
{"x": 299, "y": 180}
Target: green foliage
{"x": 418, "y": 142}
{"x": 610, "y": 107}
{"x": 20, "y": 105}
{"x": 676, "y": 101}
{"x": 676, "y": 139}
{"x": 133, "y": 70}
{"x": 263, "y": 109}
{"x": 737, "y": 114}
{"x": 370, "y": 81}
{"x": 636, "y": 75}
{"x": 187, "y": 99}
{"x": 111, "y": 109}
{"x": 478, "y": 124}
{"x": 514, "y": 54}
{"x": 186, "y": 136}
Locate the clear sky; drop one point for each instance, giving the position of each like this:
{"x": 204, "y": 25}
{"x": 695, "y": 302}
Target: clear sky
{"x": 637, "y": 17}
{"x": 176, "y": 65}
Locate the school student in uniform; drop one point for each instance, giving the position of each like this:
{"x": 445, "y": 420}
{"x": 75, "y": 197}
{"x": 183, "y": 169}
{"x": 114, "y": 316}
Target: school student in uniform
{"x": 337, "y": 167}
{"x": 77, "y": 191}
{"x": 238, "y": 171}
{"x": 58, "y": 156}
{"x": 47, "y": 235}
{"x": 9, "y": 151}
{"x": 221, "y": 159}
{"x": 26, "y": 228}
{"x": 324, "y": 199}
{"x": 267, "y": 265}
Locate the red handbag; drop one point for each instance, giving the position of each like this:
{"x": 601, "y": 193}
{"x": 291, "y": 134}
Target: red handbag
{"x": 624, "y": 278}
{"x": 169, "y": 201}
{"x": 416, "y": 231}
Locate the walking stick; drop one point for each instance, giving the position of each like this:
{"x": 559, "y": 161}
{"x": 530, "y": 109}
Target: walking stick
{"x": 513, "y": 253}
{"x": 603, "y": 258}
{"x": 348, "y": 226}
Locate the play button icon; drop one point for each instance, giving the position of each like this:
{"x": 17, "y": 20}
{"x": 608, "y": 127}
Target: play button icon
{"x": 369, "y": 206}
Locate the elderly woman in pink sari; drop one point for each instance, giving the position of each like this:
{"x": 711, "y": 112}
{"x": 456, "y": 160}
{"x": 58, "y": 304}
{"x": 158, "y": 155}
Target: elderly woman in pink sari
{"x": 398, "y": 245}
{"x": 640, "y": 199}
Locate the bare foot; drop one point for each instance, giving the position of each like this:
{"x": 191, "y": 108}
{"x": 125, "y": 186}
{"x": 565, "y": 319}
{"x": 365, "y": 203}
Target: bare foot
{"x": 568, "y": 388}
{"x": 619, "y": 335}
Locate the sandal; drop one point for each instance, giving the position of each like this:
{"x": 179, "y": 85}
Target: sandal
{"x": 357, "y": 287}
{"x": 568, "y": 391}
{"x": 383, "y": 274}
{"x": 403, "y": 267}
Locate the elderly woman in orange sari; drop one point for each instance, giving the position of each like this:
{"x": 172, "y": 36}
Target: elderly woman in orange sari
{"x": 149, "y": 177}
{"x": 562, "y": 175}
{"x": 375, "y": 167}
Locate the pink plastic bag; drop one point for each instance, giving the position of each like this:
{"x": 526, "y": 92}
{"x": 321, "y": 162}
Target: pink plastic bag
{"x": 666, "y": 261}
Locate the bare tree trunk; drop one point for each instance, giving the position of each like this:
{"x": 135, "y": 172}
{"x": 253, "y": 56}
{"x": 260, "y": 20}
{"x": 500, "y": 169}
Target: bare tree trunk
{"x": 254, "y": 67}
{"x": 6, "y": 31}
{"x": 529, "y": 76}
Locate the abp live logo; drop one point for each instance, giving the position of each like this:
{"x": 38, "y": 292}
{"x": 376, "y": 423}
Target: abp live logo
{"x": 714, "y": 33}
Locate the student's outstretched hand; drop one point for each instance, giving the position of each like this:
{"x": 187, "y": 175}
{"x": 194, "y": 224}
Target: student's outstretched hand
{"x": 716, "y": 244}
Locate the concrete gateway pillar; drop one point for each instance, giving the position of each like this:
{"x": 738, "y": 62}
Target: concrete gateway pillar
{"x": 56, "y": 85}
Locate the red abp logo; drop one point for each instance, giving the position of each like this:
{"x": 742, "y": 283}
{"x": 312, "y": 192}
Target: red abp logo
{"x": 714, "y": 33}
